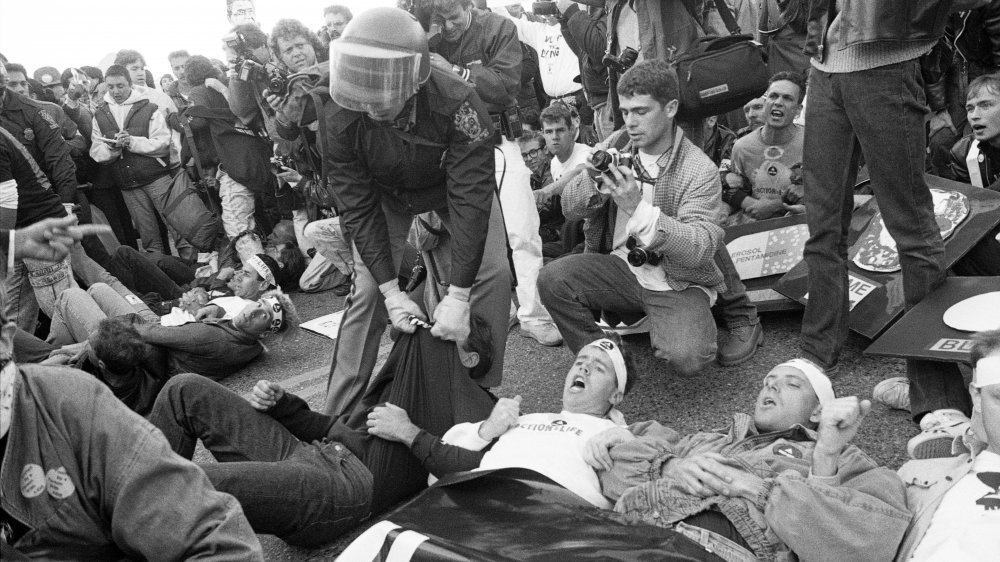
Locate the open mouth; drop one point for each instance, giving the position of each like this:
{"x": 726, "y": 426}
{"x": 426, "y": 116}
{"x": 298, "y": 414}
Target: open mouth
{"x": 978, "y": 128}
{"x": 578, "y": 383}
{"x": 767, "y": 401}
{"x": 778, "y": 114}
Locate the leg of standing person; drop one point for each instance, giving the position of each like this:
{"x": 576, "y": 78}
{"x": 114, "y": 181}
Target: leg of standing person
{"x": 300, "y": 218}
{"x": 305, "y": 493}
{"x": 143, "y": 212}
{"x": 237, "y": 206}
{"x": 887, "y": 109}
{"x": 362, "y": 325}
{"x": 830, "y": 159}
{"x": 521, "y": 221}
{"x": 490, "y": 296}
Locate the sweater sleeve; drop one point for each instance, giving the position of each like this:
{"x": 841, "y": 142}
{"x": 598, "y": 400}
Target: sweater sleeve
{"x": 294, "y": 413}
{"x": 440, "y": 458}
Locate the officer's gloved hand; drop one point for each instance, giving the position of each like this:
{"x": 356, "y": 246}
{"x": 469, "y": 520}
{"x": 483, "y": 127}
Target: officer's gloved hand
{"x": 400, "y": 307}
{"x": 451, "y": 317}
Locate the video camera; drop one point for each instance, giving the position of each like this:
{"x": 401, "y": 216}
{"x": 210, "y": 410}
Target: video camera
{"x": 250, "y": 69}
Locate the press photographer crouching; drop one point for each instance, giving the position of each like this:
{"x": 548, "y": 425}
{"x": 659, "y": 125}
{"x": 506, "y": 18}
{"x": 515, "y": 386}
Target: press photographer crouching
{"x": 653, "y": 214}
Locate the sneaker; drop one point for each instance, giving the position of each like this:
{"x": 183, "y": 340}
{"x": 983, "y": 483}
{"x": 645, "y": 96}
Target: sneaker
{"x": 894, "y": 393}
{"x": 938, "y": 431}
{"x": 544, "y": 333}
{"x": 740, "y": 344}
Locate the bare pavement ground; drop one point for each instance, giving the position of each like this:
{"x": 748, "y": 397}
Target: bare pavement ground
{"x": 537, "y": 373}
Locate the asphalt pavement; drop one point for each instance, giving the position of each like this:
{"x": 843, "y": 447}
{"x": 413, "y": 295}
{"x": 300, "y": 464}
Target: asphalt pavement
{"x": 536, "y": 373}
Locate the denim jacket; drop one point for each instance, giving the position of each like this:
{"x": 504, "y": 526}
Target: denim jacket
{"x": 858, "y": 514}
{"x": 92, "y": 480}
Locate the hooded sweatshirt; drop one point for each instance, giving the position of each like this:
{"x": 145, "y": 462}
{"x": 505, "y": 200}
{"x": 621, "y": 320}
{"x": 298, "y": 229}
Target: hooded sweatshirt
{"x": 156, "y": 144}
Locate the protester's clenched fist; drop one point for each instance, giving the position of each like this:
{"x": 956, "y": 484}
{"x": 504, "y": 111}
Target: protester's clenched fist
{"x": 839, "y": 421}
{"x": 265, "y": 395}
{"x": 503, "y": 417}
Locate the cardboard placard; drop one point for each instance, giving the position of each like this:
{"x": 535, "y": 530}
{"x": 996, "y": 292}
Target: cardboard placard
{"x": 762, "y": 252}
{"x": 327, "y": 326}
{"x": 877, "y": 308}
{"x": 922, "y": 334}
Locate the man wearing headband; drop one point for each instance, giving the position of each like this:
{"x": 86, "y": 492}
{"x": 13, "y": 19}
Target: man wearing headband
{"x": 404, "y": 138}
{"x": 548, "y": 443}
{"x": 785, "y": 482}
{"x": 956, "y": 500}
{"x": 260, "y": 273}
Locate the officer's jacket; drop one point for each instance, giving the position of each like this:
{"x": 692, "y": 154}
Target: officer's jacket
{"x": 442, "y": 161}
{"x": 489, "y": 53}
{"x": 42, "y": 136}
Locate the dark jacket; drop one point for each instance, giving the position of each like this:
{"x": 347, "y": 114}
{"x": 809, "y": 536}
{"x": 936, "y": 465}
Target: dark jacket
{"x": 215, "y": 349}
{"x": 867, "y": 21}
{"x": 35, "y": 201}
{"x": 444, "y": 162}
{"x": 42, "y": 136}
{"x": 132, "y": 170}
{"x": 491, "y": 53}
{"x": 976, "y": 36}
{"x": 587, "y": 35}
{"x": 91, "y": 480}
{"x": 989, "y": 165}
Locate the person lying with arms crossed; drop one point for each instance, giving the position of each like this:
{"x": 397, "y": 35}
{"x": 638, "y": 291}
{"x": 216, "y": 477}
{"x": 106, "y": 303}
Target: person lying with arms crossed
{"x": 782, "y": 483}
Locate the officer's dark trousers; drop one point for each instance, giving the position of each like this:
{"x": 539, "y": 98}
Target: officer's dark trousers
{"x": 365, "y": 317}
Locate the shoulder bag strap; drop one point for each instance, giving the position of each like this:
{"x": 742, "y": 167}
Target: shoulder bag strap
{"x": 972, "y": 162}
{"x": 727, "y": 17}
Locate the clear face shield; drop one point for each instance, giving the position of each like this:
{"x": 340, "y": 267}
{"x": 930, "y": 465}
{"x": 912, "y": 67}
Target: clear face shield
{"x": 372, "y": 79}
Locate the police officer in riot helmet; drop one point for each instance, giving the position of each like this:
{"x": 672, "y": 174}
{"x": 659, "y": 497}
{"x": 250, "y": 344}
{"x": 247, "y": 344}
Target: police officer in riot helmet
{"x": 402, "y": 139}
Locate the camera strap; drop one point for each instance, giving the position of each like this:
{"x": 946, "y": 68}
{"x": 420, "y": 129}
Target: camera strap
{"x": 193, "y": 147}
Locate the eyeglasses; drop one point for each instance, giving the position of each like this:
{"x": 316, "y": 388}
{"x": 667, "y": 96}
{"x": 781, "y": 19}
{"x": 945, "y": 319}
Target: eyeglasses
{"x": 245, "y": 12}
{"x": 533, "y": 153}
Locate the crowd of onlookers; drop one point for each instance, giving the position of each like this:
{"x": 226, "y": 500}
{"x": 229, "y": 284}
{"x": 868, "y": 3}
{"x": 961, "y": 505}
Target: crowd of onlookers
{"x": 316, "y": 160}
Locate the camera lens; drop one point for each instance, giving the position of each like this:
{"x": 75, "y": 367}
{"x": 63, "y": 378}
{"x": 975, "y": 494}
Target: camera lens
{"x": 601, "y": 160}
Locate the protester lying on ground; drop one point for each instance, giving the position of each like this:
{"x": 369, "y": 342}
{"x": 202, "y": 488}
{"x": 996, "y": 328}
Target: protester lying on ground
{"x": 212, "y": 347}
{"x": 330, "y": 472}
{"x": 548, "y": 443}
{"x": 260, "y": 273}
{"x": 785, "y": 482}
{"x": 83, "y": 477}
{"x": 956, "y": 500}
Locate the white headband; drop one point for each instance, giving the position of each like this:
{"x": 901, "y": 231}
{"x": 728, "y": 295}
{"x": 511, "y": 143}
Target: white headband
{"x": 617, "y": 359}
{"x": 261, "y": 268}
{"x": 275, "y": 305}
{"x": 987, "y": 372}
{"x": 820, "y": 382}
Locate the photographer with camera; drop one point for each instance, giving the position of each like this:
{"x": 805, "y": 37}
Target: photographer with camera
{"x": 482, "y": 48}
{"x": 653, "y": 213}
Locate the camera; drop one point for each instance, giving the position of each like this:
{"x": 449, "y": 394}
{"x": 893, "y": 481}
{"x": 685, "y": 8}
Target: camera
{"x": 548, "y": 8}
{"x": 638, "y": 256}
{"x": 603, "y": 160}
{"x": 280, "y": 162}
{"x": 622, "y": 62}
{"x": 250, "y": 69}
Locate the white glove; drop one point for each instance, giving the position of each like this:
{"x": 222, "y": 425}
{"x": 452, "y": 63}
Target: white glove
{"x": 451, "y": 317}
{"x": 400, "y": 307}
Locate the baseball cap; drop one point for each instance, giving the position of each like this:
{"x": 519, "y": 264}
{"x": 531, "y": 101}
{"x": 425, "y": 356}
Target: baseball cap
{"x": 48, "y": 76}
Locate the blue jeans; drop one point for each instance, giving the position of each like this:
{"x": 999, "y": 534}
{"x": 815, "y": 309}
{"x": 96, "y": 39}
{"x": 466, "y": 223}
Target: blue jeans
{"x": 682, "y": 330}
{"x": 33, "y": 285}
{"x": 879, "y": 113}
{"x": 305, "y": 493}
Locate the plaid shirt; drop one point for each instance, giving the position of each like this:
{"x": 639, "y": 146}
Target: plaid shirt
{"x": 688, "y": 194}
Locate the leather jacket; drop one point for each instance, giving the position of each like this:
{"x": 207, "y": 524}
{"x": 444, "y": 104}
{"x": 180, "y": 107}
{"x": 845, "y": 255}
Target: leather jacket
{"x": 866, "y": 21}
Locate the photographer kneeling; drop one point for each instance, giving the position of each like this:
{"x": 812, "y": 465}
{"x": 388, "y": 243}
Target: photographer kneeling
{"x": 652, "y": 232}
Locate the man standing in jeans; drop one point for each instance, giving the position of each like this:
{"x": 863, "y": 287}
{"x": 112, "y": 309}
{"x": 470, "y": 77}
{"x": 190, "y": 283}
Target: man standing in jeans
{"x": 866, "y": 97}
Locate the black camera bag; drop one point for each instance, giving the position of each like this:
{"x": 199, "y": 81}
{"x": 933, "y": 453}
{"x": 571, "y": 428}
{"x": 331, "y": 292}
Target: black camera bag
{"x": 720, "y": 74}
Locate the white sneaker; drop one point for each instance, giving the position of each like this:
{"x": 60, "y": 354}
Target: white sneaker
{"x": 544, "y": 333}
{"x": 938, "y": 431}
{"x": 893, "y": 392}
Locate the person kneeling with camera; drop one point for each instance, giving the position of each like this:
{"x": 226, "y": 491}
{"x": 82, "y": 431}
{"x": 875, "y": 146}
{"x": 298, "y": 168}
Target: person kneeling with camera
{"x": 653, "y": 211}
